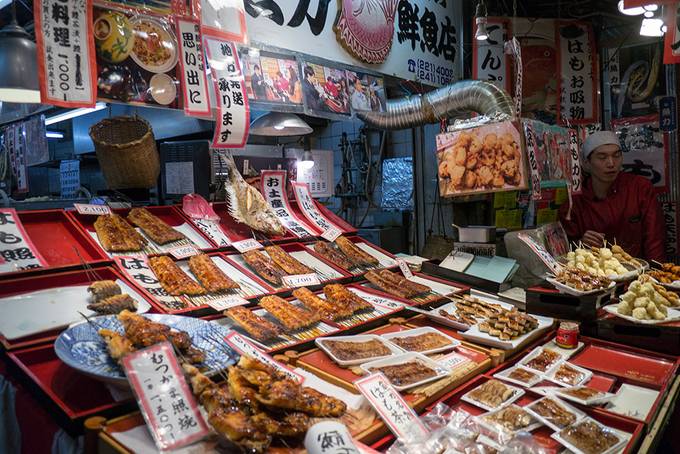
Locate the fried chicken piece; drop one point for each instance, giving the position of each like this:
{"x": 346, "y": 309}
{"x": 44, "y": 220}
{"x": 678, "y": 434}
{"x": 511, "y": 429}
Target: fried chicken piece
{"x": 287, "y": 262}
{"x": 264, "y": 266}
{"x": 117, "y": 344}
{"x": 289, "y": 395}
{"x": 209, "y": 274}
{"x": 355, "y": 253}
{"x": 333, "y": 255}
{"x": 154, "y": 227}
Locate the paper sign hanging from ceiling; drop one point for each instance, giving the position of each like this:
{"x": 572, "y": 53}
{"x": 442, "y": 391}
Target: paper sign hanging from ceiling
{"x": 223, "y": 19}
{"x": 577, "y": 86}
{"x": 233, "y": 113}
{"x": 194, "y": 80}
{"x": 274, "y": 191}
{"x": 66, "y": 65}
{"x": 671, "y": 46}
{"x": 309, "y": 210}
{"x": 490, "y": 62}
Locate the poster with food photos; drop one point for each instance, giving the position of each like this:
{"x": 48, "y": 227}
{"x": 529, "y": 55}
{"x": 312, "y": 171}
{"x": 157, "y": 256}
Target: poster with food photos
{"x": 366, "y": 91}
{"x": 325, "y": 89}
{"x": 271, "y": 78}
{"x": 137, "y": 57}
{"x": 483, "y": 159}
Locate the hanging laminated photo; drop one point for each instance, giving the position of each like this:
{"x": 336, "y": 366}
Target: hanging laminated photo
{"x": 366, "y": 92}
{"x": 271, "y": 78}
{"x": 325, "y": 89}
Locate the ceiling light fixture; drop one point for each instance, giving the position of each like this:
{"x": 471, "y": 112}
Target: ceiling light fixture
{"x": 279, "y": 124}
{"x": 307, "y": 161}
{"x": 651, "y": 27}
{"x": 637, "y": 11}
{"x": 74, "y": 113}
{"x": 481, "y": 34}
{"x": 18, "y": 58}
{"x": 54, "y": 135}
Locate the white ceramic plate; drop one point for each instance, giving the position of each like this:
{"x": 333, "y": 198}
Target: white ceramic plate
{"x": 673, "y": 315}
{"x": 572, "y": 291}
{"x": 453, "y": 343}
{"x": 321, "y": 342}
{"x": 405, "y": 358}
{"x": 633, "y": 401}
{"x": 505, "y": 376}
{"x": 168, "y": 41}
{"x": 475, "y": 335}
{"x": 549, "y": 422}
{"x": 585, "y": 374}
{"x": 595, "y": 400}
{"x": 623, "y": 438}
{"x": 534, "y": 353}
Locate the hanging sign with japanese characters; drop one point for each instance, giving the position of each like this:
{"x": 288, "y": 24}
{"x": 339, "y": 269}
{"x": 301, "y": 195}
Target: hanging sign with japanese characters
{"x": 17, "y": 252}
{"x": 574, "y": 157}
{"x": 233, "y": 113}
{"x": 66, "y": 64}
{"x": 577, "y": 76}
{"x": 308, "y": 206}
{"x": 489, "y": 60}
{"x": 223, "y": 19}
{"x": 671, "y": 51}
{"x": 194, "y": 80}
{"x": 411, "y": 39}
{"x": 670, "y": 214}
{"x": 167, "y": 404}
{"x": 530, "y": 139}
{"x": 274, "y": 191}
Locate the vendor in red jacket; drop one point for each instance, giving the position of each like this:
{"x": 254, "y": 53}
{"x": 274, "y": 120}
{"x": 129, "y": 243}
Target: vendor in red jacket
{"x": 614, "y": 205}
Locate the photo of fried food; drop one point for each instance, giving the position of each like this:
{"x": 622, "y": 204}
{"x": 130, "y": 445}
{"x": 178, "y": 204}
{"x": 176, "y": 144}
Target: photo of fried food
{"x": 153, "y": 226}
{"x": 116, "y": 235}
{"x": 173, "y": 279}
{"x": 481, "y": 159}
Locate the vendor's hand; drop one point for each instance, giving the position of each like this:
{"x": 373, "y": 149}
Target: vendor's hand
{"x": 593, "y": 239}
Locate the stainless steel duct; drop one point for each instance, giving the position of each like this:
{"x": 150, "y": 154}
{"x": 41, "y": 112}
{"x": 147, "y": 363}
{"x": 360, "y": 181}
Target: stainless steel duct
{"x": 477, "y": 96}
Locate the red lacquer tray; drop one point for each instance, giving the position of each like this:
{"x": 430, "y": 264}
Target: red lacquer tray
{"x": 388, "y": 259}
{"x": 421, "y": 300}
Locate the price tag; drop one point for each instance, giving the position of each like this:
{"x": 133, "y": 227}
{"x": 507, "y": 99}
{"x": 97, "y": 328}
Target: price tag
{"x": 399, "y": 417}
{"x": 403, "y": 266}
{"x": 220, "y": 304}
{"x": 94, "y": 210}
{"x": 452, "y": 361}
{"x": 300, "y": 280}
{"x": 167, "y": 403}
{"x": 247, "y": 245}
{"x": 182, "y": 252}
{"x": 245, "y": 347}
{"x": 331, "y": 234}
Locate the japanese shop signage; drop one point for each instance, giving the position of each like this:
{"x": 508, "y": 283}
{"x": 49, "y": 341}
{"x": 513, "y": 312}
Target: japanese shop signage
{"x": 671, "y": 46}
{"x": 577, "y": 76}
{"x": 667, "y": 114}
{"x": 575, "y": 160}
{"x": 139, "y": 271}
{"x": 309, "y": 209}
{"x": 489, "y": 61}
{"x": 194, "y": 80}
{"x": 232, "y": 122}
{"x": 66, "y": 64}
{"x": 670, "y": 214}
{"x": 245, "y": 347}
{"x": 330, "y": 437}
{"x": 223, "y": 19}
{"x": 530, "y": 139}
{"x": 213, "y": 230}
{"x": 167, "y": 404}
{"x": 411, "y": 39}
{"x": 399, "y": 417}
{"x": 15, "y": 145}
{"x": 17, "y": 252}
{"x": 274, "y": 191}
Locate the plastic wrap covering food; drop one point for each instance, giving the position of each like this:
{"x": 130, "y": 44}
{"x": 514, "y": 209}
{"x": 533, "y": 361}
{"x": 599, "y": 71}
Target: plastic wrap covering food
{"x": 397, "y": 184}
{"x": 451, "y": 431}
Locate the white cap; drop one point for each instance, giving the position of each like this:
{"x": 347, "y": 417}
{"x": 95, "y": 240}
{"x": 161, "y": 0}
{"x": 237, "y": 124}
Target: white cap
{"x": 598, "y": 139}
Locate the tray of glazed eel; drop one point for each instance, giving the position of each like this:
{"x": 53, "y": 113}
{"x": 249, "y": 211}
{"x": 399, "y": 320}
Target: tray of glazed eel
{"x": 354, "y": 256}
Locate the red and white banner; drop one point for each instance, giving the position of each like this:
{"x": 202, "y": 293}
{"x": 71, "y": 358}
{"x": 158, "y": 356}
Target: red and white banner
{"x": 223, "y": 19}
{"x": 575, "y": 186}
{"x": 66, "y": 59}
{"x": 17, "y": 251}
{"x": 489, "y": 60}
{"x": 194, "y": 79}
{"x": 577, "y": 81}
{"x": 530, "y": 140}
{"x": 274, "y": 191}
{"x": 233, "y": 113}
{"x": 309, "y": 209}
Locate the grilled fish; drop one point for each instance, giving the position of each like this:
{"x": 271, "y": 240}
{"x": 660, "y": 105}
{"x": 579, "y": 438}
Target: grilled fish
{"x": 287, "y": 262}
{"x": 154, "y": 227}
{"x": 256, "y": 326}
{"x": 324, "y": 308}
{"x": 355, "y": 254}
{"x": 172, "y": 278}
{"x": 209, "y": 275}
{"x": 264, "y": 267}
{"x": 116, "y": 235}
{"x": 289, "y": 315}
{"x": 333, "y": 255}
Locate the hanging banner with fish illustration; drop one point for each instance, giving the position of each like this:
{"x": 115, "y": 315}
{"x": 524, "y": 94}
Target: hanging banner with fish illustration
{"x": 309, "y": 210}
{"x": 274, "y": 191}
{"x": 233, "y": 120}
{"x": 66, "y": 59}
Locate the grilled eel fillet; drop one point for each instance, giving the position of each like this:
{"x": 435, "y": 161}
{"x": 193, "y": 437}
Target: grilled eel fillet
{"x": 324, "y": 308}
{"x": 116, "y": 235}
{"x": 154, "y": 227}
{"x": 289, "y": 315}
{"x": 209, "y": 275}
{"x": 333, "y": 255}
{"x": 256, "y": 326}
{"x": 338, "y": 295}
{"x": 173, "y": 279}
{"x": 101, "y": 290}
{"x": 287, "y": 262}
{"x": 396, "y": 284}
{"x": 114, "y": 304}
{"x": 354, "y": 253}
{"x": 264, "y": 266}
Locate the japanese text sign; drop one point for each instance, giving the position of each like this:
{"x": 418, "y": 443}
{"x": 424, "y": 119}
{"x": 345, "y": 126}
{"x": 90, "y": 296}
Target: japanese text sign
{"x": 577, "y": 86}
{"x": 391, "y": 407}
{"x": 65, "y": 52}
{"x": 212, "y": 230}
{"x": 490, "y": 62}
{"x": 194, "y": 80}
{"x": 530, "y": 139}
{"x": 245, "y": 347}
{"x": 166, "y": 401}
{"x": 232, "y": 123}
{"x": 670, "y": 215}
{"x": 331, "y": 234}
{"x": 329, "y": 437}
{"x": 139, "y": 271}
{"x": 90, "y": 209}
{"x": 17, "y": 252}
{"x": 575, "y": 159}
{"x": 309, "y": 209}
{"x": 274, "y": 191}
{"x": 405, "y": 270}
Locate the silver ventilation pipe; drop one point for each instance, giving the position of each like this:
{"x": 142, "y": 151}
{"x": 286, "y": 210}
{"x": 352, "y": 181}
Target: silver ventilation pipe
{"x": 465, "y": 96}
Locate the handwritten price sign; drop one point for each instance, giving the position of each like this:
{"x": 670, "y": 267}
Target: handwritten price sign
{"x": 247, "y": 245}
{"x": 92, "y": 210}
{"x": 331, "y": 234}
{"x": 403, "y": 266}
{"x": 300, "y": 280}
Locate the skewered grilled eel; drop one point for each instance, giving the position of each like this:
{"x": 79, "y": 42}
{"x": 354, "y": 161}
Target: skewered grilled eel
{"x": 323, "y": 307}
{"x": 354, "y": 253}
{"x": 333, "y": 255}
{"x": 209, "y": 275}
{"x": 114, "y": 304}
{"x": 394, "y": 284}
{"x": 154, "y": 227}
{"x": 172, "y": 278}
{"x": 264, "y": 266}
{"x": 338, "y": 295}
{"x": 116, "y": 235}
{"x": 289, "y": 315}
{"x": 259, "y": 328}
{"x": 287, "y": 262}
{"x": 101, "y": 290}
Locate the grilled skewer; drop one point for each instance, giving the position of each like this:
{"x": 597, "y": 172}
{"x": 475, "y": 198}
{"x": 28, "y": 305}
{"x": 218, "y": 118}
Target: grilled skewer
{"x": 289, "y": 315}
{"x": 264, "y": 267}
{"x": 114, "y": 304}
{"x": 354, "y": 253}
{"x": 172, "y": 278}
{"x": 338, "y": 295}
{"x": 116, "y": 235}
{"x": 259, "y": 328}
{"x": 333, "y": 255}
{"x": 154, "y": 227}
{"x": 324, "y": 308}
{"x": 209, "y": 275}
{"x": 287, "y": 262}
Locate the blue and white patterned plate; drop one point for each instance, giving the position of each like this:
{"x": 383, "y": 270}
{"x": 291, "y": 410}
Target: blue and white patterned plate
{"x": 82, "y": 348}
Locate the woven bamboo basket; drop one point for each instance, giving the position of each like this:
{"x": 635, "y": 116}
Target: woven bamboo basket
{"x": 126, "y": 150}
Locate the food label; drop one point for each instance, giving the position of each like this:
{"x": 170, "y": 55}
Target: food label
{"x": 212, "y": 230}
{"x": 576, "y": 179}
{"x": 330, "y": 437}
{"x": 309, "y": 209}
{"x": 168, "y": 406}
{"x": 194, "y": 80}
{"x": 226, "y": 302}
{"x": 399, "y": 417}
{"x": 245, "y": 347}
{"x": 17, "y": 252}
{"x": 182, "y": 252}
{"x": 452, "y": 361}
{"x": 274, "y": 191}
{"x": 247, "y": 245}
{"x": 331, "y": 234}
{"x": 403, "y": 266}
{"x": 93, "y": 210}
{"x": 300, "y": 280}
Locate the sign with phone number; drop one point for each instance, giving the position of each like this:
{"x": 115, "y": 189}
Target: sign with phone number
{"x": 429, "y": 72}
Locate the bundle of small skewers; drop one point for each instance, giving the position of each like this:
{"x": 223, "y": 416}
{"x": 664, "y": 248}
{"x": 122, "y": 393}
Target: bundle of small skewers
{"x": 647, "y": 300}
{"x": 610, "y": 260}
{"x": 668, "y": 274}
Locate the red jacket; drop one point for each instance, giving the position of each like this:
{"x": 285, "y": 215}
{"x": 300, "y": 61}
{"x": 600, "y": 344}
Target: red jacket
{"x": 630, "y": 214}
